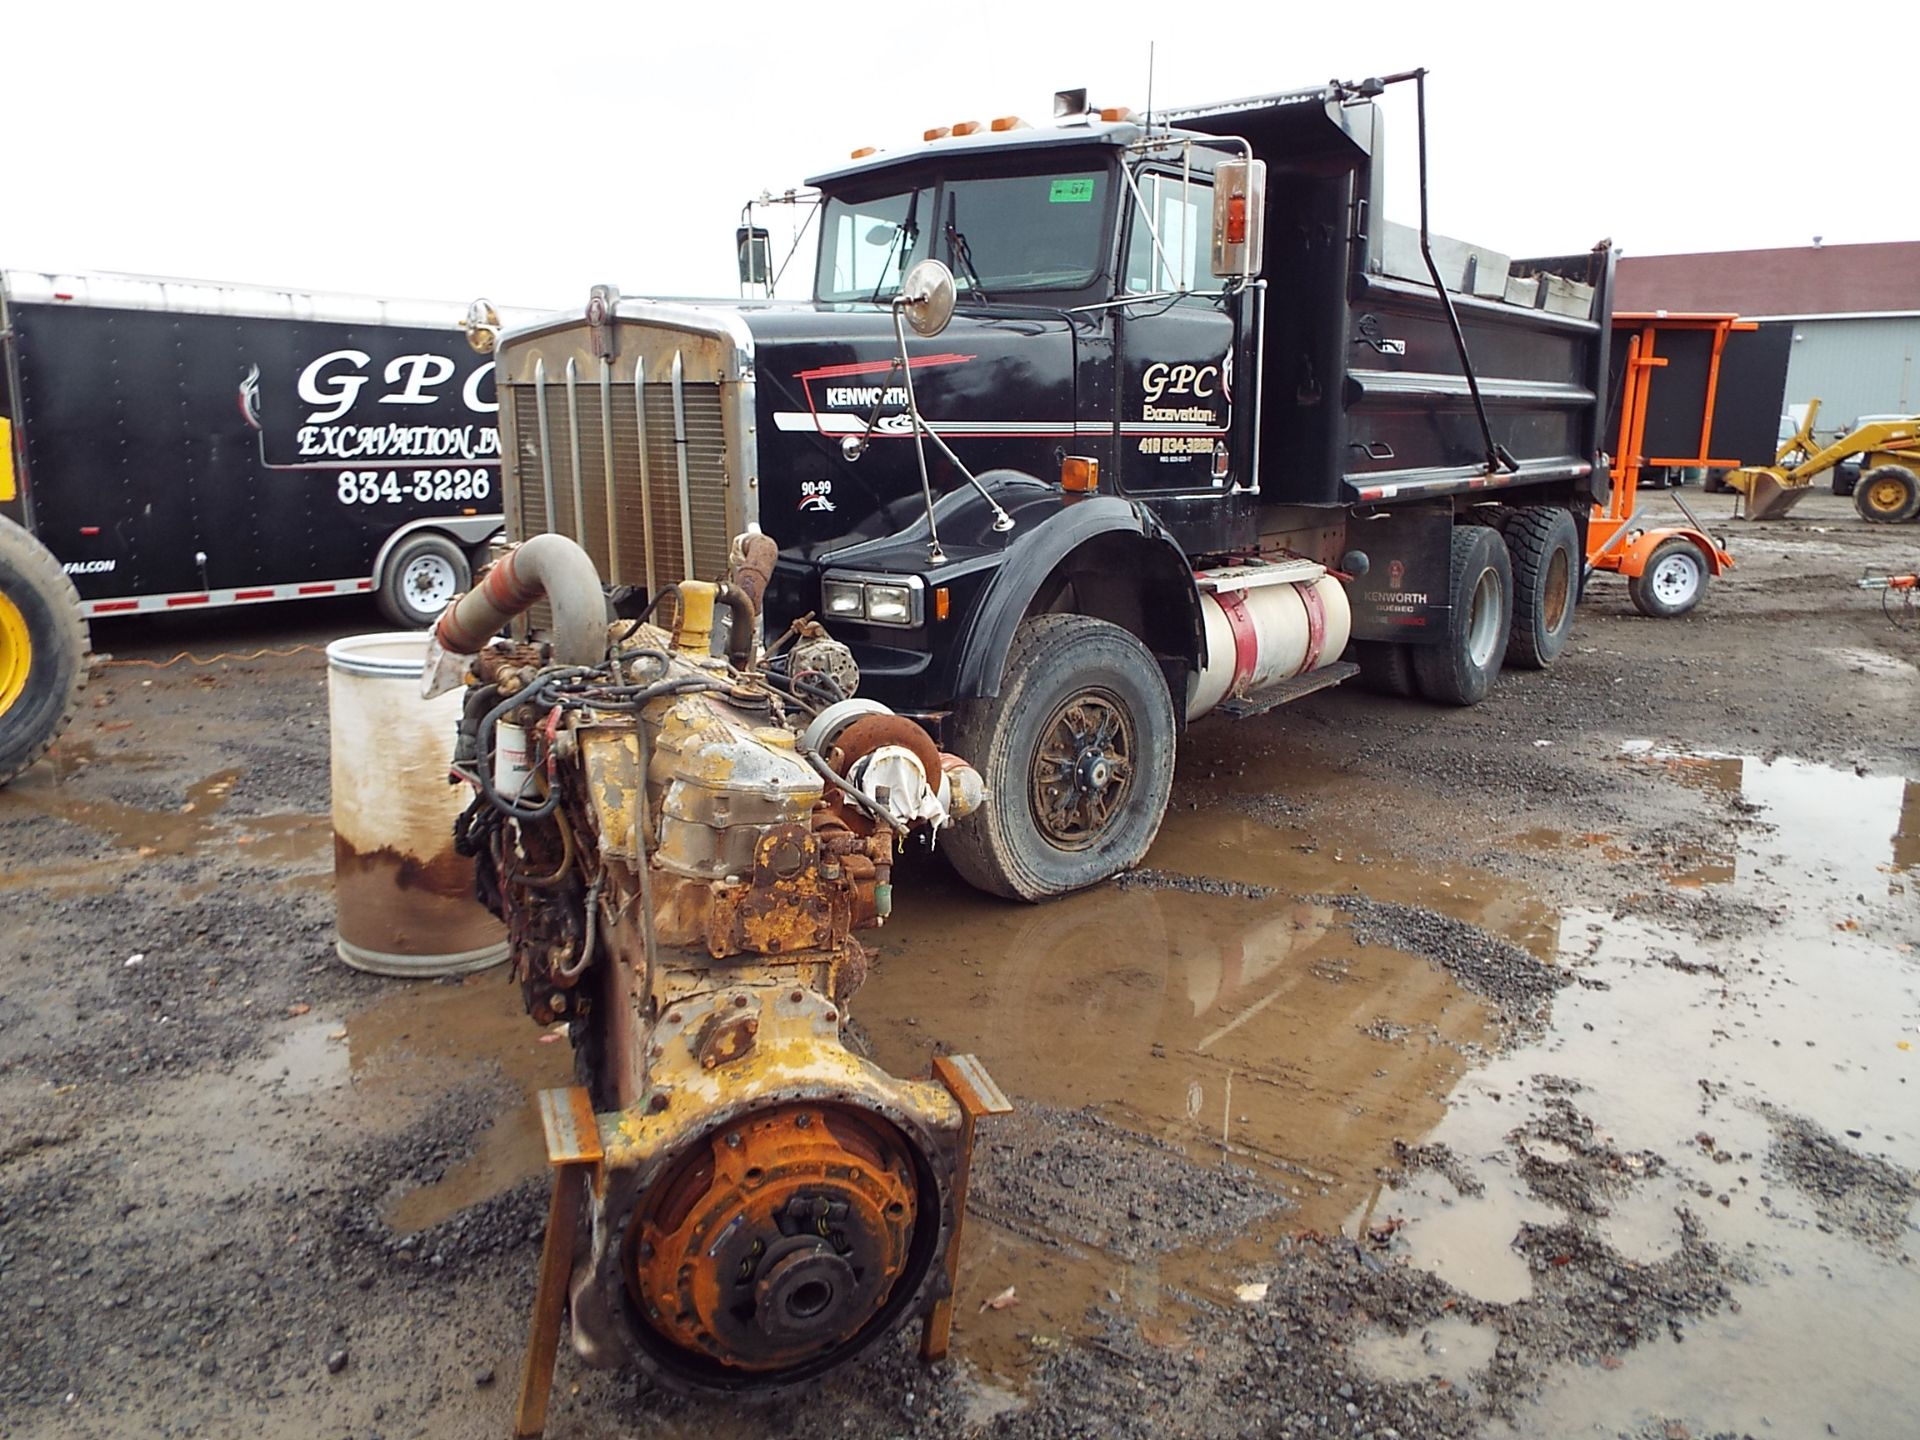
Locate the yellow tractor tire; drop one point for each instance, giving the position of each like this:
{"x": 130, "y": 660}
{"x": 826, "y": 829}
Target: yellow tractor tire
{"x": 1888, "y": 495}
{"x": 44, "y": 650}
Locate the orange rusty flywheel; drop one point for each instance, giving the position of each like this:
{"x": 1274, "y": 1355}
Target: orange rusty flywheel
{"x": 776, "y": 1238}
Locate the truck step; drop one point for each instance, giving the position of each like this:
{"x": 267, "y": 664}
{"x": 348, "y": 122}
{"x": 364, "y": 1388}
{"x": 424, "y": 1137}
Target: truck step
{"x": 1266, "y": 572}
{"x": 1274, "y": 696}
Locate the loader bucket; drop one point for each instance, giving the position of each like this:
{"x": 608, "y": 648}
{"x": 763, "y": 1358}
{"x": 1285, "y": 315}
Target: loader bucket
{"x": 1769, "y": 493}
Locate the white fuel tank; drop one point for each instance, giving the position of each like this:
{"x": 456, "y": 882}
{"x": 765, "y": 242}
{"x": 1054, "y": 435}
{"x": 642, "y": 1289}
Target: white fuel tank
{"x": 1261, "y": 631}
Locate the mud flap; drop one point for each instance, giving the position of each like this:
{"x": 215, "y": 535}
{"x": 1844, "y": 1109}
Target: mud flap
{"x": 1402, "y": 597}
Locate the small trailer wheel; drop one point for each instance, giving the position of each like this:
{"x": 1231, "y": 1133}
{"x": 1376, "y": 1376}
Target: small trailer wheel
{"x": 1077, "y": 754}
{"x": 1888, "y": 495}
{"x": 1544, "y": 544}
{"x": 1461, "y": 669}
{"x": 44, "y": 649}
{"x": 1673, "y": 582}
{"x": 424, "y": 573}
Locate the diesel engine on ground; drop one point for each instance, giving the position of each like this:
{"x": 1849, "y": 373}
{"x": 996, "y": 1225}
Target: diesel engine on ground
{"x": 683, "y": 846}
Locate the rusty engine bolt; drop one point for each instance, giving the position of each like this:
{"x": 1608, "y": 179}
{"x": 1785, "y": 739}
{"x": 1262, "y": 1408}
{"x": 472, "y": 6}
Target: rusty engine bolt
{"x": 739, "y": 1002}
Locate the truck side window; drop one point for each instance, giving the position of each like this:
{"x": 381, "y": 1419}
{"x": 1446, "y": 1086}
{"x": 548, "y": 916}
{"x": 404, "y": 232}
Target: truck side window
{"x": 870, "y": 244}
{"x": 1182, "y": 221}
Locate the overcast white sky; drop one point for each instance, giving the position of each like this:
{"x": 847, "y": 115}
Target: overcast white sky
{"x": 525, "y": 151}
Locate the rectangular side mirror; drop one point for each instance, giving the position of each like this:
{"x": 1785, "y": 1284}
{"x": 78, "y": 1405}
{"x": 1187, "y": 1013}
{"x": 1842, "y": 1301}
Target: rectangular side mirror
{"x": 1239, "y": 217}
{"x": 756, "y": 255}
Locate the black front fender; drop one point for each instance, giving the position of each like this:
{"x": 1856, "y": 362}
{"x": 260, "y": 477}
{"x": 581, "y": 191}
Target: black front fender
{"x": 1146, "y": 579}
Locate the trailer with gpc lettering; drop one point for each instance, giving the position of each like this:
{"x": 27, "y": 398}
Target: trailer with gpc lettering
{"x": 171, "y": 445}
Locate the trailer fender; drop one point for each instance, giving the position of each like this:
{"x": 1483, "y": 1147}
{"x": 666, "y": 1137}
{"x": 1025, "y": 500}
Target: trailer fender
{"x": 466, "y": 531}
{"x": 1635, "y": 554}
{"x": 1119, "y": 540}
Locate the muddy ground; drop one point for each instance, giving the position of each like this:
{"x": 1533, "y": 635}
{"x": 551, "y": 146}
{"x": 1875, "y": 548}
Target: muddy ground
{"x": 1537, "y": 1070}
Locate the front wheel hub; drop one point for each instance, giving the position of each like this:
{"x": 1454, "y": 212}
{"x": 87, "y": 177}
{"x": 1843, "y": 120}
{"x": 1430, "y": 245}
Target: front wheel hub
{"x": 1082, "y": 769}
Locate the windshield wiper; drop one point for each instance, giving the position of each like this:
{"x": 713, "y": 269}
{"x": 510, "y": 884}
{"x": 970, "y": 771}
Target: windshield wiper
{"x": 961, "y": 251}
{"x": 909, "y": 231}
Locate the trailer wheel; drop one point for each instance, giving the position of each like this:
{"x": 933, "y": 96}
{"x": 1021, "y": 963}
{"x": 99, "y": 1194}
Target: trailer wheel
{"x": 1385, "y": 668}
{"x": 424, "y": 573}
{"x": 1673, "y": 582}
{"x": 1544, "y": 545}
{"x": 1462, "y": 667}
{"x": 43, "y": 650}
{"x": 1077, "y": 754}
{"x": 1888, "y": 495}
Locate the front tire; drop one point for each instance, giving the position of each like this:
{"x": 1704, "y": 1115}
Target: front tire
{"x": 44, "y": 650}
{"x": 1461, "y": 669}
{"x": 424, "y": 573}
{"x": 1077, "y": 753}
{"x": 1888, "y": 495}
{"x": 1544, "y": 545}
{"x": 1673, "y": 581}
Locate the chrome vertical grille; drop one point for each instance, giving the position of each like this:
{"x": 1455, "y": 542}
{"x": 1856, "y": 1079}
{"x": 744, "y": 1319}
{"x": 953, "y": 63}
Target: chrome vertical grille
{"x": 630, "y": 459}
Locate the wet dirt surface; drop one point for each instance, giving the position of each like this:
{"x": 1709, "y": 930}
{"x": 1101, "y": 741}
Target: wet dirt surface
{"x": 1544, "y": 1069}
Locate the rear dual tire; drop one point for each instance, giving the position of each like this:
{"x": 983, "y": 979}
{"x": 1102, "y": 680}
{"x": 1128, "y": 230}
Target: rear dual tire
{"x": 1461, "y": 669}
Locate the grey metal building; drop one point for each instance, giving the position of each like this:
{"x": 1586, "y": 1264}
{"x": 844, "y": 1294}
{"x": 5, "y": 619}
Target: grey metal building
{"x": 1854, "y": 309}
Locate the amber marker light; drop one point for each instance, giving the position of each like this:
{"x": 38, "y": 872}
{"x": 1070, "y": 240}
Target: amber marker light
{"x": 967, "y": 127}
{"x": 1010, "y": 122}
{"x": 942, "y": 602}
{"x": 864, "y": 151}
{"x": 939, "y": 132}
{"x": 1079, "y": 475}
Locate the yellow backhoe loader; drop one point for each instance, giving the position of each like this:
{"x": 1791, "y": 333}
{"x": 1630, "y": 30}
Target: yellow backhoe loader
{"x": 1889, "y": 487}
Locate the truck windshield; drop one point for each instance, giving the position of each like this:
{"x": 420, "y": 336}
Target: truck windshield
{"x": 998, "y": 234}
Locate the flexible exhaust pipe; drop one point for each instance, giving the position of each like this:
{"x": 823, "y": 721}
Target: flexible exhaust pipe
{"x": 549, "y": 567}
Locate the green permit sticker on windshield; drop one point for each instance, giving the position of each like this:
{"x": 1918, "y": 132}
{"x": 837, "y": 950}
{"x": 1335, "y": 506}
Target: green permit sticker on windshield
{"x": 1071, "y": 192}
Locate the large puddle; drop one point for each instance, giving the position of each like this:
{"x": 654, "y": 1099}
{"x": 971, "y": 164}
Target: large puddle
{"x": 1255, "y": 1030}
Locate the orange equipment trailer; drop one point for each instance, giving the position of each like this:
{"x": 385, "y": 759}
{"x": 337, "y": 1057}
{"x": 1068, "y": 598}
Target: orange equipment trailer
{"x": 1666, "y": 569}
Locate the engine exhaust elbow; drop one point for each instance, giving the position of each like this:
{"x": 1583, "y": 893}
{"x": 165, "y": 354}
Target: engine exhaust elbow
{"x": 549, "y": 567}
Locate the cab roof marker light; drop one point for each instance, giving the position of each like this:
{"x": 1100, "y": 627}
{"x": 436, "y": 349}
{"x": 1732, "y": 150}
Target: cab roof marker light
{"x": 1115, "y": 113}
{"x": 864, "y": 151}
{"x": 939, "y": 132}
{"x": 1009, "y": 122}
{"x": 966, "y": 127}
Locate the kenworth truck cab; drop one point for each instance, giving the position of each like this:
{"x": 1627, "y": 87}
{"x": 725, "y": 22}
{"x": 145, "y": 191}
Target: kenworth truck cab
{"x": 1088, "y": 430}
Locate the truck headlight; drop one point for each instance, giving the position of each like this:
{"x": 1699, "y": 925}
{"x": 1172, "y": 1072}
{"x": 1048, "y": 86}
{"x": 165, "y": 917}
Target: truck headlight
{"x": 844, "y": 599}
{"x": 889, "y": 604}
{"x": 878, "y": 600}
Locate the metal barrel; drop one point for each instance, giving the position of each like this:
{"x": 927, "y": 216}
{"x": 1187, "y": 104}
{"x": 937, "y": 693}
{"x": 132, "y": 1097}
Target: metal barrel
{"x": 404, "y": 896}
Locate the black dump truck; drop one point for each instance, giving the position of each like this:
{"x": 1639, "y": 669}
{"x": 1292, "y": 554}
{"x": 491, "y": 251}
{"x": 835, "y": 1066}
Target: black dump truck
{"x": 170, "y": 445}
{"x": 1091, "y": 429}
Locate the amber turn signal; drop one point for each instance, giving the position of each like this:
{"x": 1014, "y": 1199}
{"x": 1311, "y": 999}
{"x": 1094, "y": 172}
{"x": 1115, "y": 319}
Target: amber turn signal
{"x": 942, "y": 602}
{"x": 1079, "y": 475}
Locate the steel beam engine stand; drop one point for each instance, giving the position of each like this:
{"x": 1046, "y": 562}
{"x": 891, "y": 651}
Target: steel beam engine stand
{"x": 681, "y": 846}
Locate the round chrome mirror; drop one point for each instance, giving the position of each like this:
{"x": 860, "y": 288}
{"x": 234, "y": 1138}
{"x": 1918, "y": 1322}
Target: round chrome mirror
{"x": 926, "y": 297}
